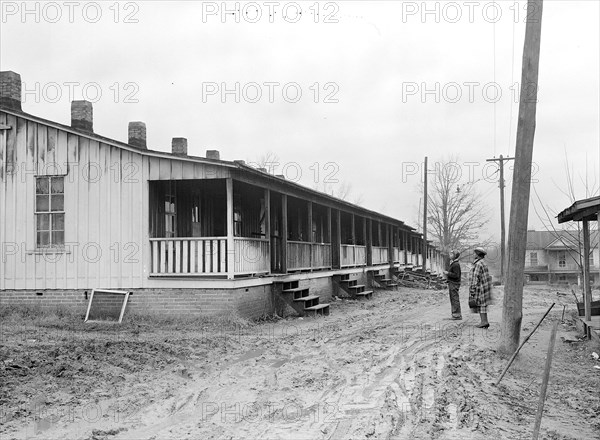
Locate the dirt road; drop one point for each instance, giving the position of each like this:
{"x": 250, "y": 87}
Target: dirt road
{"x": 392, "y": 367}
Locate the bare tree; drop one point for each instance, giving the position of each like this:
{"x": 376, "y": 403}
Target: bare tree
{"x": 456, "y": 211}
{"x": 268, "y": 161}
{"x": 342, "y": 190}
{"x": 571, "y": 235}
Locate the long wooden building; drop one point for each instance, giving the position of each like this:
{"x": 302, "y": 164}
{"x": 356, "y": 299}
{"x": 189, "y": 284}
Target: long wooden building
{"x": 185, "y": 234}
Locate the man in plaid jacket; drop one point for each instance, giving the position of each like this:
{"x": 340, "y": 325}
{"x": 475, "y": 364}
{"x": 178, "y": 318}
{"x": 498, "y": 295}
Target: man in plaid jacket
{"x": 480, "y": 287}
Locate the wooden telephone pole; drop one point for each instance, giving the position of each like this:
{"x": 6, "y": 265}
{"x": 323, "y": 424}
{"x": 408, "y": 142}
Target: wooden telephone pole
{"x": 512, "y": 312}
{"x": 424, "y": 250}
{"x": 501, "y": 160}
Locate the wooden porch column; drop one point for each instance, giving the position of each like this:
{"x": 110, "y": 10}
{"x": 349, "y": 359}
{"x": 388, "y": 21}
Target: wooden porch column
{"x": 405, "y": 246}
{"x": 587, "y": 289}
{"x": 338, "y": 238}
{"x": 309, "y": 233}
{"x": 352, "y": 224}
{"x": 390, "y": 245}
{"x": 369, "y": 242}
{"x": 230, "y": 243}
{"x": 331, "y": 241}
{"x": 268, "y": 226}
{"x": 284, "y": 233}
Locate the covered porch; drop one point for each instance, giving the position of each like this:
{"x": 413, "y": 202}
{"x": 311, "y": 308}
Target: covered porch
{"x": 227, "y": 228}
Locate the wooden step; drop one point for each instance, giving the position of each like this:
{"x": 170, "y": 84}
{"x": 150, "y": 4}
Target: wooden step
{"x": 366, "y": 293}
{"x": 306, "y": 298}
{"x": 295, "y": 290}
{"x": 319, "y": 308}
{"x": 358, "y": 286}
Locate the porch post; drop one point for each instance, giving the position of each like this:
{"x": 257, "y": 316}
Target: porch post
{"x": 587, "y": 289}
{"x": 230, "y": 244}
{"x": 284, "y": 233}
{"x": 338, "y": 238}
{"x": 352, "y": 227}
{"x": 369, "y": 242}
{"x": 331, "y": 257}
{"x": 365, "y": 232}
{"x": 268, "y": 226}
{"x": 390, "y": 246}
{"x": 309, "y": 233}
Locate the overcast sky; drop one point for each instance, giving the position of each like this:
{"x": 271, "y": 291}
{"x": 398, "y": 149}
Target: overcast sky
{"x": 382, "y": 85}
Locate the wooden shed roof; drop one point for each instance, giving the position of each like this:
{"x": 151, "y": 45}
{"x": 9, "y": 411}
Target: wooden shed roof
{"x": 585, "y": 209}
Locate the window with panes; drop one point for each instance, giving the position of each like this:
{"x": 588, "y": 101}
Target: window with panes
{"x": 50, "y": 211}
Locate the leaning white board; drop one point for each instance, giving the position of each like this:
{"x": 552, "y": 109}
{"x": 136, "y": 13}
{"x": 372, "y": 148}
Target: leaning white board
{"x": 118, "y": 292}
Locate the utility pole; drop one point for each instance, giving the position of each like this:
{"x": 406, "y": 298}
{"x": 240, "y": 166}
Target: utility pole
{"x": 424, "y": 250}
{"x": 501, "y": 160}
{"x": 512, "y": 311}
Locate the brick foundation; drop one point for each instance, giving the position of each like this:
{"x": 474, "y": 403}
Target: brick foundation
{"x": 249, "y": 302}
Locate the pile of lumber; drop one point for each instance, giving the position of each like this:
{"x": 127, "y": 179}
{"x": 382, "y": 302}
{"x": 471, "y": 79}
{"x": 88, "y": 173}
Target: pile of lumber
{"x": 415, "y": 277}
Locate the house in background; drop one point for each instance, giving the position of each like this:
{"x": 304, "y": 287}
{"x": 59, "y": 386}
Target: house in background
{"x": 555, "y": 257}
{"x": 185, "y": 234}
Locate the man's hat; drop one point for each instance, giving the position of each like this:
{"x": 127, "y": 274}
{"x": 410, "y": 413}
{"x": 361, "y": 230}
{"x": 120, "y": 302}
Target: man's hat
{"x": 479, "y": 250}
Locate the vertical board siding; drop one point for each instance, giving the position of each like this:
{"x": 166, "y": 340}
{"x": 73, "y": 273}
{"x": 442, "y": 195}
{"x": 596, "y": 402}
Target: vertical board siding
{"x": 3, "y": 135}
{"x": 10, "y": 192}
{"x": 107, "y": 237}
{"x": 20, "y": 202}
{"x": 106, "y": 206}
{"x": 29, "y": 195}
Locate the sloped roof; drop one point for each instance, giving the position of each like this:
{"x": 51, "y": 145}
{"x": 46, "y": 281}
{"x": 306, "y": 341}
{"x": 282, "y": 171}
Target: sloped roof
{"x": 239, "y": 165}
{"x": 585, "y": 209}
{"x": 555, "y": 240}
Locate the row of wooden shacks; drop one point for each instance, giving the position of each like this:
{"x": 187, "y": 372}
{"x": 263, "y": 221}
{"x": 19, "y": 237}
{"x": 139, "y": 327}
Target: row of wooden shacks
{"x": 80, "y": 211}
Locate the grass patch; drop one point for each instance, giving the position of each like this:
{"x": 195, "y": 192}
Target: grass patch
{"x": 65, "y": 318}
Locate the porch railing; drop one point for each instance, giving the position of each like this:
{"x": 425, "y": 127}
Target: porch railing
{"x": 251, "y": 255}
{"x": 298, "y": 255}
{"x": 397, "y": 255}
{"x": 321, "y": 255}
{"x": 353, "y": 255}
{"x": 380, "y": 255}
{"x": 302, "y": 255}
{"x": 189, "y": 256}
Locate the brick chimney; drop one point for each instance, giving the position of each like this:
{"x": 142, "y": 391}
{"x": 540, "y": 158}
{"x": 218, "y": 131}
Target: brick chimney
{"x": 137, "y": 135}
{"x": 179, "y": 146}
{"x": 10, "y": 90}
{"x": 213, "y": 154}
{"x": 82, "y": 115}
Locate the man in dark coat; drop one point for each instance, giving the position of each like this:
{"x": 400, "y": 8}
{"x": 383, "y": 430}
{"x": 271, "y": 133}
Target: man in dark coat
{"x": 453, "y": 275}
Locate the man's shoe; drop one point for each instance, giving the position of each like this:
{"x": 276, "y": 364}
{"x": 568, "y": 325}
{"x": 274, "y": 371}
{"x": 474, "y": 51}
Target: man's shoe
{"x": 457, "y": 318}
